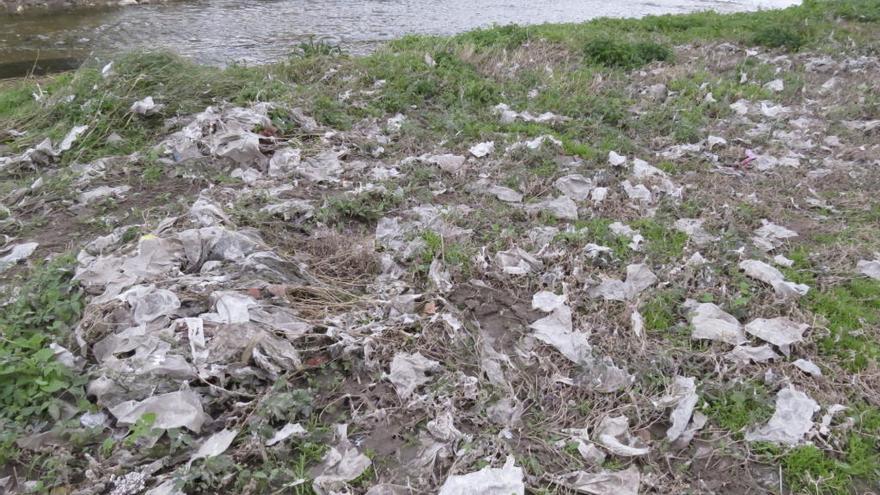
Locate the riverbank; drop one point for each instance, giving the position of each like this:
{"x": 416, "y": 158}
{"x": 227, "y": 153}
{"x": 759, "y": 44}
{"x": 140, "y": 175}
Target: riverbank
{"x": 36, "y": 7}
{"x": 625, "y": 256}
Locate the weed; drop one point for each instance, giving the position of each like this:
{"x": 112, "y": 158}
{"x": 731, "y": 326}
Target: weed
{"x": 739, "y": 406}
{"x": 661, "y": 243}
{"x": 849, "y": 310}
{"x": 788, "y": 37}
{"x": 661, "y": 311}
{"x": 31, "y": 379}
{"x": 365, "y": 207}
{"x": 611, "y": 52}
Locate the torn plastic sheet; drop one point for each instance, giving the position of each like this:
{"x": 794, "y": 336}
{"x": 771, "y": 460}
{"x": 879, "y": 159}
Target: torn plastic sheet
{"x": 781, "y": 332}
{"x": 449, "y": 163}
{"x": 507, "y": 480}
{"x": 71, "y": 137}
{"x": 770, "y": 236}
{"x": 284, "y": 162}
{"x": 145, "y": 107}
{"x": 214, "y": 445}
{"x": 563, "y": 208}
{"x": 636, "y": 192}
{"x": 341, "y": 464}
{"x": 505, "y": 194}
{"x": 745, "y": 354}
{"x": 481, "y": 150}
{"x": 791, "y": 420}
{"x": 638, "y": 278}
{"x": 517, "y": 261}
{"x": 508, "y": 116}
{"x": 556, "y": 330}
{"x": 442, "y": 427}
{"x": 712, "y": 323}
{"x": 439, "y": 276}
{"x": 287, "y": 431}
{"x": 869, "y": 268}
{"x": 173, "y": 410}
{"x": 614, "y": 435}
{"x": 616, "y": 160}
{"x": 233, "y": 307}
{"x": 605, "y": 482}
{"x": 682, "y": 395}
{"x": 623, "y": 230}
{"x": 769, "y": 275}
{"x": 575, "y": 186}
{"x": 149, "y": 303}
{"x": 102, "y": 192}
{"x": 17, "y": 253}
{"x": 693, "y": 227}
{"x": 547, "y": 301}
{"x": 410, "y": 371}
{"x": 808, "y": 367}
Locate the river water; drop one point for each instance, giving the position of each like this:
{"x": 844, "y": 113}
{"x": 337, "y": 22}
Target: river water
{"x": 225, "y": 31}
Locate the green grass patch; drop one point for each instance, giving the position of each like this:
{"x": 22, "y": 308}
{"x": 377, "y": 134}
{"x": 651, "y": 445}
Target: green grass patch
{"x": 661, "y": 311}
{"x": 739, "y": 406}
{"x": 850, "y": 309}
{"x": 612, "y": 52}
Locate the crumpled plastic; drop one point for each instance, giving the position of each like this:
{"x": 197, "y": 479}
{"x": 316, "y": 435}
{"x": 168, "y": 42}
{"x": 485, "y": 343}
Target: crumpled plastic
{"x": 214, "y": 445}
{"x": 508, "y": 116}
{"x": 693, "y": 227}
{"x": 410, "y": 371}
{"x": 505, "y": 194}
{"x": 623, "y": 230}
{"x": 638, "y": 278}
{"x": 781, "y": 331}
{"x": 481, "y": 150}
{"x": 174, "y": 410}
{"x": 791, "y": 420}
{"x": 807, "y": 367}
{"x": 712, "y": 323}
{"x": 563, "y": 208}
{"x": 770, "y": 275}
{"x": 614, "y": 435}
{"x": 506, "y": 480}
{"x": 287, "y": 431}
{"x": 517, "y": 261}
{"x": 869, "y": 268}
{"x": 556, "y": 330}
{"x": 341, "y": 464}
{"x": 604, "y": 482}
{"x": 745, "y": 354}
{"x": 17, "y": 253}
{"x": 575, "y": 186}
{"x": 682, "y": 395}
{"x": 770, "y": 236}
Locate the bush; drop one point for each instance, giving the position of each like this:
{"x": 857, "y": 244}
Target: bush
{"x": 625, "y": 54}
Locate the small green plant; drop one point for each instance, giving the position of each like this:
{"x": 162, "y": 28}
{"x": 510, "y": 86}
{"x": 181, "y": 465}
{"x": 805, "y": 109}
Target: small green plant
{"x": 611, "y": 52}
{"x": 849, "y": 310}
{"x": 317, "y": 48}
{"x": 661, "y": 311}
{"x": 142, "y": 428}
{"x": 31, "y": 379}
{"x": 366, "y": 207}
{"x": 739, "y": 406}
{"x": 790, "y": 38}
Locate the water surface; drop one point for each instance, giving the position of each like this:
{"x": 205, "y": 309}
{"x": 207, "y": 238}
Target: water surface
{"x": 224, "y": 31}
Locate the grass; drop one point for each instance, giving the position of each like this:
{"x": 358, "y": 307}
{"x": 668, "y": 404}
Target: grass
{"x": 851, "y": 310}
{"x": 739, "y": 406}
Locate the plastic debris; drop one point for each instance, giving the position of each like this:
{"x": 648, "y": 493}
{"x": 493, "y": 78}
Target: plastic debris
{"x": 71, "y": 137}
{"x": 623, "y": 230}
{"x": 770, "y": 236}
{"x": 410, "y": 371}
{"x": 506, "y": 480}
{"x": 103, "y": 192}
{"x": 808, "y": 367}
{"x": 712, "y": 323}
{"x": 791, "y": 420}
{"x": 638, "y": 278}
{"x": 287, "y": 431}
{"x": 616, "y": 160}
{"x": 173, "y": 410}
{"x": 775, "y": 85}
{"x": 341, "y": 464}
{"x": 508, "y": 116}
{"x": 516, "y": 261}
{"x": 781, "y": 332}
{"x": 448, "y": 163}
{"x": 682, "y": 395}
{"x": 575, "y": 186}
{"x": 605, "y": 482}
{"x": 614, "y": 435}
{"x": 145, "y": 107}
{"x": 693, "y": 227}
{"x": 746, "y": 354}
{"x": 547, "y": 301}
{"x": 16, "y": 253}
{"x": 505, "y": 194}
{"x": 869, "y": 268}
{"x": 556, "y": 330}
{"x": 562, "y": 208}
{"x": 214, "y": 445}
{"x": 773, "y": 277}
{"x": 482, "y": 149}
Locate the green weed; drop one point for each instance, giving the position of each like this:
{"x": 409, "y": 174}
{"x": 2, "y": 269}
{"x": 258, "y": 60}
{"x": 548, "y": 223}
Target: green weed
{"x": 611, "y": 52}
{"x": 739, "y": 406}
